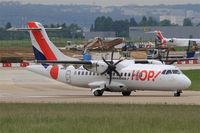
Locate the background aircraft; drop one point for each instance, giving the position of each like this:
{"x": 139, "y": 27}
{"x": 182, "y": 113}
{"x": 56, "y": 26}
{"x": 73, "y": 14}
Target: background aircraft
{"x": 102, "y": 75}
{"x": 179, "y": 42}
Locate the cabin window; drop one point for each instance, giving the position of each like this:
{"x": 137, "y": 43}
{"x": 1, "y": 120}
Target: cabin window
{"x": 93, "y": 73}
{"x": 90, "y": 73}
{"x": 82, "y": 73}
{"x": 129, "y": 74}
{"x": 121, "y": 74}
{"x": 125, "y": 74}
{"x": 79, "y": 72}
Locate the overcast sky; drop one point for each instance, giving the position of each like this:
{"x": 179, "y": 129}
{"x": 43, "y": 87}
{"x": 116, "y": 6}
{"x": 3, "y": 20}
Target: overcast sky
{"x": 110, "y": 2}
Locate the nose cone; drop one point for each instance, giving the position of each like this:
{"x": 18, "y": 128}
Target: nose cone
{"x": 186, "y": 82}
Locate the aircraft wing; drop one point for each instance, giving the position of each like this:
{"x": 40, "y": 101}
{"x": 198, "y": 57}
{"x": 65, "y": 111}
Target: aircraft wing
{"x": 100, "y": 85}
{"x": 97, "y": 84}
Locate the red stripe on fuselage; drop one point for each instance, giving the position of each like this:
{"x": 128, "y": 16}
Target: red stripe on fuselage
{"x": 48, "y": 53}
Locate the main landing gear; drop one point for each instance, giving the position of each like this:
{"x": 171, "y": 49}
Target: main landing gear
{"x": 126, "y": 93}
{"x": 98, "y": 93}
{"x": 178, "y": 93}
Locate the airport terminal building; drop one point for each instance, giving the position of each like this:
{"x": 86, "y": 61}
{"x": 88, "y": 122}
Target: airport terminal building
{"x": 141, "y": 33}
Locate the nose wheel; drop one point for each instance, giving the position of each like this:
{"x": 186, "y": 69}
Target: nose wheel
{"x": 126, "y": 93}
{"x": 178, "y": 93}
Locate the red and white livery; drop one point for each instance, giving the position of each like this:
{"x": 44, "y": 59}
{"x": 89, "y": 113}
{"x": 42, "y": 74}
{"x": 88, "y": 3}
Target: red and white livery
{"x": 179, "y": 42}
{"x": 103, "y": 75}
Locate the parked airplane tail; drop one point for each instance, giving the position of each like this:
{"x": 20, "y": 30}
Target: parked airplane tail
{"x": 160, "y": 38}
{"x": 43, "y": 48}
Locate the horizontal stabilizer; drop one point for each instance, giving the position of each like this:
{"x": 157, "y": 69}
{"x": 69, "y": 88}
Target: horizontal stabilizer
{"x": 27, "y": 29}
{"x": 64, "y": 62}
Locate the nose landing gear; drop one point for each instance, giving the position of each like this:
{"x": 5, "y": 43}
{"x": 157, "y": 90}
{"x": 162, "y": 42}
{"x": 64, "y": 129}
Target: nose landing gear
{"x": 178, "y": 93}
{"x": 126, "y": 93}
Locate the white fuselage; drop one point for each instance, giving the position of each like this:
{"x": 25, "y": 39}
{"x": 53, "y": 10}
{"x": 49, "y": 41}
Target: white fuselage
{"x": 180, "y": 42}
{"x": 133, "y": 77}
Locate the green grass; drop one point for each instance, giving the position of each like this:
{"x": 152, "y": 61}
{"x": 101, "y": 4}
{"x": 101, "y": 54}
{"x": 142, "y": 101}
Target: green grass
{"x": 14, "y": 43}
{"x": 194, "y": 76}
{"x": 98, "y": 118}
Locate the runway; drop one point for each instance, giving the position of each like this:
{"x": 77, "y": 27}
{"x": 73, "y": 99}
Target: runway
{"x": 18, "y": 85}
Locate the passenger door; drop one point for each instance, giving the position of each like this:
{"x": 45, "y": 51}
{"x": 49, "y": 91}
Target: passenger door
{"x": 68, "y": 76}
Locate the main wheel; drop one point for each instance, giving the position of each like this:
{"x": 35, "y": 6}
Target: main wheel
{"x": 98, "y": 93}
{"x": 126, "y": 93}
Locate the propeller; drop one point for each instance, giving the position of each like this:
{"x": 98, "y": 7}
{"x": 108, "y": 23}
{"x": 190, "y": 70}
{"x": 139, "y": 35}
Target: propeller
{"x": 111, "y": 67}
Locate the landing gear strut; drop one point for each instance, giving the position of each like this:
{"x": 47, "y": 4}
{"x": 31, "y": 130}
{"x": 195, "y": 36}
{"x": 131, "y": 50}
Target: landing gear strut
{"x": 126, "y": 93}
{"x": 178, "y": 93}
{"x": 98, "y": 93}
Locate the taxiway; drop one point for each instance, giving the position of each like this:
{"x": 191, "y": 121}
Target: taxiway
{"x": 18, "y": 85}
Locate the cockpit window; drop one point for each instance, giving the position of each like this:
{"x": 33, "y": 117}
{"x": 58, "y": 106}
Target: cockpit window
{"x": 176, "y": 71}
{"x": 163, "y": 72}
{"x": 169, "y": 72}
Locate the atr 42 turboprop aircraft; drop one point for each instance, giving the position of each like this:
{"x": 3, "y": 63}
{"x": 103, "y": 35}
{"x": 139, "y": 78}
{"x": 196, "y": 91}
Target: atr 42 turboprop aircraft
{"x": 180, "y": 42}
{"x": 103, "y": 75}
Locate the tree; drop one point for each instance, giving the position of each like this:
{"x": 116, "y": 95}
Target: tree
{"x": 165, "y": 23}
{"x": 8, "y": 25}
{"x": 63, "y": 25}
{"x": 52, "y": 26}
{"x": 103, "y": 24}
{"x": 198, "y": 24}
{"x": 75, "y": 31}
{"x": 133, "y": 22}
{"x": 143, "y": 22}
{"x": 187, "y": 22}
{"x": 121, "y": 27}
{"x": 92, "y": 27}
{"x": 152, "y": 22}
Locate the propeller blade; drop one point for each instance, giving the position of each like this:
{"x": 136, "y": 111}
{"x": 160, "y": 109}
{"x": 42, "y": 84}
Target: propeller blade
{"x": 105, "y": 61}
{"x": 110, "y": 74}
{"x": 117, "y": 73}
{"x": 104, "y": 72}
{"x": 118, "y": 62}
{"x": 112, "y": 57}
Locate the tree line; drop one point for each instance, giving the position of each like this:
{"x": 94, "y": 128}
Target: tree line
{"x": 103, "y": 23}
{"x": 67, "y": 31}
{"x": 121, "y": 27}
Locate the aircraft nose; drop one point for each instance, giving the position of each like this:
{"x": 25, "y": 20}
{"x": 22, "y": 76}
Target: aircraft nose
{"x": 186, "y": 82}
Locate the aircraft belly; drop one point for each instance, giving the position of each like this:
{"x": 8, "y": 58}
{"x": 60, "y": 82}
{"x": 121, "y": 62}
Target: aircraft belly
{"x": 149, "y": 85}
{"x": 83, "y": 81}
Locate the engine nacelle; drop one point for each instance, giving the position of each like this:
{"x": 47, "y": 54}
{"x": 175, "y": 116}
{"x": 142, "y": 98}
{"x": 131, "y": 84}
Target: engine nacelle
{"x": 155, "y": 62}
{"x": 97, "y": 67}
{"x": 117, "y": 87}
